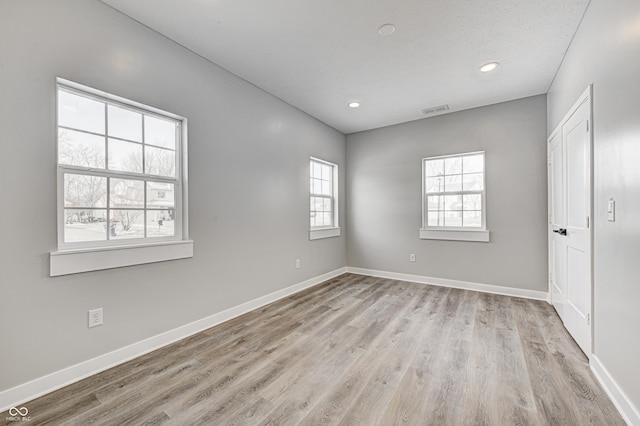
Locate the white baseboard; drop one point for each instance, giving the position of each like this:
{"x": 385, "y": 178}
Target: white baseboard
{"x": 465, "y": 285}
{"x": 627, "y": 410}
{"x": 20, "y": 394}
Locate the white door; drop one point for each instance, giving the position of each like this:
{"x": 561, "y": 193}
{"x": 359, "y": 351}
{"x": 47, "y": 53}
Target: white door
{"x": 557, "y": 220}
{"x": 570, "y": 214}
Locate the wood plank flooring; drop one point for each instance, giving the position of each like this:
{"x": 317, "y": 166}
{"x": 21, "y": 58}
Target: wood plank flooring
{"x": 355, "y": 350}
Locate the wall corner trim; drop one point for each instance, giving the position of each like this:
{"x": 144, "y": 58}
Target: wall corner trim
{"x": 625, "y": 407}
{"x": 20, "y": 394}
{"x": 443, "y": 282}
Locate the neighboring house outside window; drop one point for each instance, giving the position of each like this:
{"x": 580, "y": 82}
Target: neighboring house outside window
{"x": 323, "y": 198}
{"x": 454, "y": 197}
{"x": 121, "y": 168}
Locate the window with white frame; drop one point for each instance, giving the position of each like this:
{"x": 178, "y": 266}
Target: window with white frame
{"x": 323, "y": 178}
{"x": 120, "y": 171}
{"x": 454, "y": 195}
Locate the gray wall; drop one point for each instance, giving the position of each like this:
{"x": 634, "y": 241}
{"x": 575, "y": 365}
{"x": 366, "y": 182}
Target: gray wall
{"x": 384, "y": 196}
{"x": 606, "y": 52}
{"x": 248, "y": 185}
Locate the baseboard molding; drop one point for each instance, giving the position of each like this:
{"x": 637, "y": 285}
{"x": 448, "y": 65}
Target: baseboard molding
{"x": 20, "y": 394}
{"x": 627, "y": 410}
{"x": 465, "y": 285}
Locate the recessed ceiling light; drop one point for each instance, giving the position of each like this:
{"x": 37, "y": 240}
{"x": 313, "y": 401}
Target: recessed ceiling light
{"x": 489, "y": 66}
{"x": 386, "y": 30}
{"x": 354, "y": 104}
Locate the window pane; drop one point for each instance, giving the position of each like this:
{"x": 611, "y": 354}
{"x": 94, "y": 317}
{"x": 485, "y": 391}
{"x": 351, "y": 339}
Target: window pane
{"x": 435, "y": 218}
{"x": 472, "y": 219}
{"x": 453, "y": 166}
{"x": 473, "y": 182}
{"x": 434, "y": 184}
{"x": 453, "y": 202}
{"x": 434, "y": 167}
{"x": 453, "y": 219}
{"x": 126, "y": 224}
{"x": 85, "y": 225}
{"x": 327, "y": 173}
{"x": 312, "y": 221}
{"x": 84, "y": 190}
{"x": 326, "y": 188}
{"x": 80, "y": 113}
{"x": 318, "y": 204}
{"x": 160, "y": 195}
{"x": 472, "y": 202}
{"x": 159, "y": 162}
{"x": 327, "y": 219}
{"x": 125, "y": 124}
{"x": 453, "y": 183}
{"x": 327, "y": 205}
{"x": 80, "y": 149}
{"x": 473, "y": 163}
{"x": 316, "y": 170}
{"x": 126, "y": 193}
{"x": 125, "y": 156}
{"x": 159, "y": 132}
{"x": 435, "y": 202}
{"x": 160, "y": 223}
{"x": 317, "y": 186}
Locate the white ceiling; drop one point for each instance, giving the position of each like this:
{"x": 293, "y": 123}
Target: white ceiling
{"x": 320, "y": 55}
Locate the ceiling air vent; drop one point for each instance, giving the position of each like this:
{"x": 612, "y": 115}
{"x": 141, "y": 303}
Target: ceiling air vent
{"x": 435, "y": 109}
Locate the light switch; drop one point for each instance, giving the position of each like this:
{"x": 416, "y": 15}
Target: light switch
{"x": 611, "y": 210}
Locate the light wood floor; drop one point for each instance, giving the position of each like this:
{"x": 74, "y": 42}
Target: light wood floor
{"x": 354, "y": 351}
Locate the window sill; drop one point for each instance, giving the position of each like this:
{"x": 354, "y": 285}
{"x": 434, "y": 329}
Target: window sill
{"x": 479, "y": 236}
{"x": 317, "y": 234}
{"x": 65, "y": 262}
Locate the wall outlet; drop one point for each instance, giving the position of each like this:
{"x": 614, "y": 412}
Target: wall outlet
{"x": 95, "y": 317}
{"x": 297, "y": 263}
{"x": 412, "y": 257}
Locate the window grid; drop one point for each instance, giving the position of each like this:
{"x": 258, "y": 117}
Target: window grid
{"x": 114, "y": 216}
{"x": 454, "y": 192}
{"x": 322, "y": 201}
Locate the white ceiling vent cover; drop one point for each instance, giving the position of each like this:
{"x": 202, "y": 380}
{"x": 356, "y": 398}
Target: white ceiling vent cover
{"x": 435, "y": 109}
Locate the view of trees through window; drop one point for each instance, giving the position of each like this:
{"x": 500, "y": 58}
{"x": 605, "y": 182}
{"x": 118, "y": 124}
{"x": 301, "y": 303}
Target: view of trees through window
{"x": 454, "y": 191}
{"x": 118, "y": 169}
{"x": 321, "y": 180}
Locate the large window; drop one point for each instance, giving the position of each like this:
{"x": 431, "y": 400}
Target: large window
{"x": 323, "y": 178}
{"x": 454, "y": 195}
{"x": 120, "y": 171}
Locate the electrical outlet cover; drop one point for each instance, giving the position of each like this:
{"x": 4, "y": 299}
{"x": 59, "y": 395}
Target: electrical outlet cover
{"x": 95, "y": 317}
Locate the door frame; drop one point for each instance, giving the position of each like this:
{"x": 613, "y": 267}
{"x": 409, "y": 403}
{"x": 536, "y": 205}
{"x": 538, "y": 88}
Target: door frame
{"x": 586, "y": 96}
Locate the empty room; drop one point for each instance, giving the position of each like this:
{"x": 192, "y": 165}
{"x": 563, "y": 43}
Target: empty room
{"x": 412, "y": 212}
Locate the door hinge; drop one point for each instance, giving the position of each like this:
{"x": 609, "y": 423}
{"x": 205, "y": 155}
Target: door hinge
{"x": 588, "y": 319}
{"x": 587, "y": 125}
{"x": 587, "y": 221}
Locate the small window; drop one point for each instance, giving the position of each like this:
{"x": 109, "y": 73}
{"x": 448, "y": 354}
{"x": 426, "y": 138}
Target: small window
{"x": 454, "y": 196}
{"x": 120, "y": 168}
{"x": 323, "y": 178}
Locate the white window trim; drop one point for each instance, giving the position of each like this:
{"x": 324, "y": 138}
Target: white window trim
{"x": 318, "y": 234}
{"x": 334, "y": 231}
{"x": 480, "y": 234}
{"x": 76, "y": 258}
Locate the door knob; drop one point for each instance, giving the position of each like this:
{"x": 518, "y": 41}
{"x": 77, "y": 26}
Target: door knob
{"x": 560, "y": 231}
